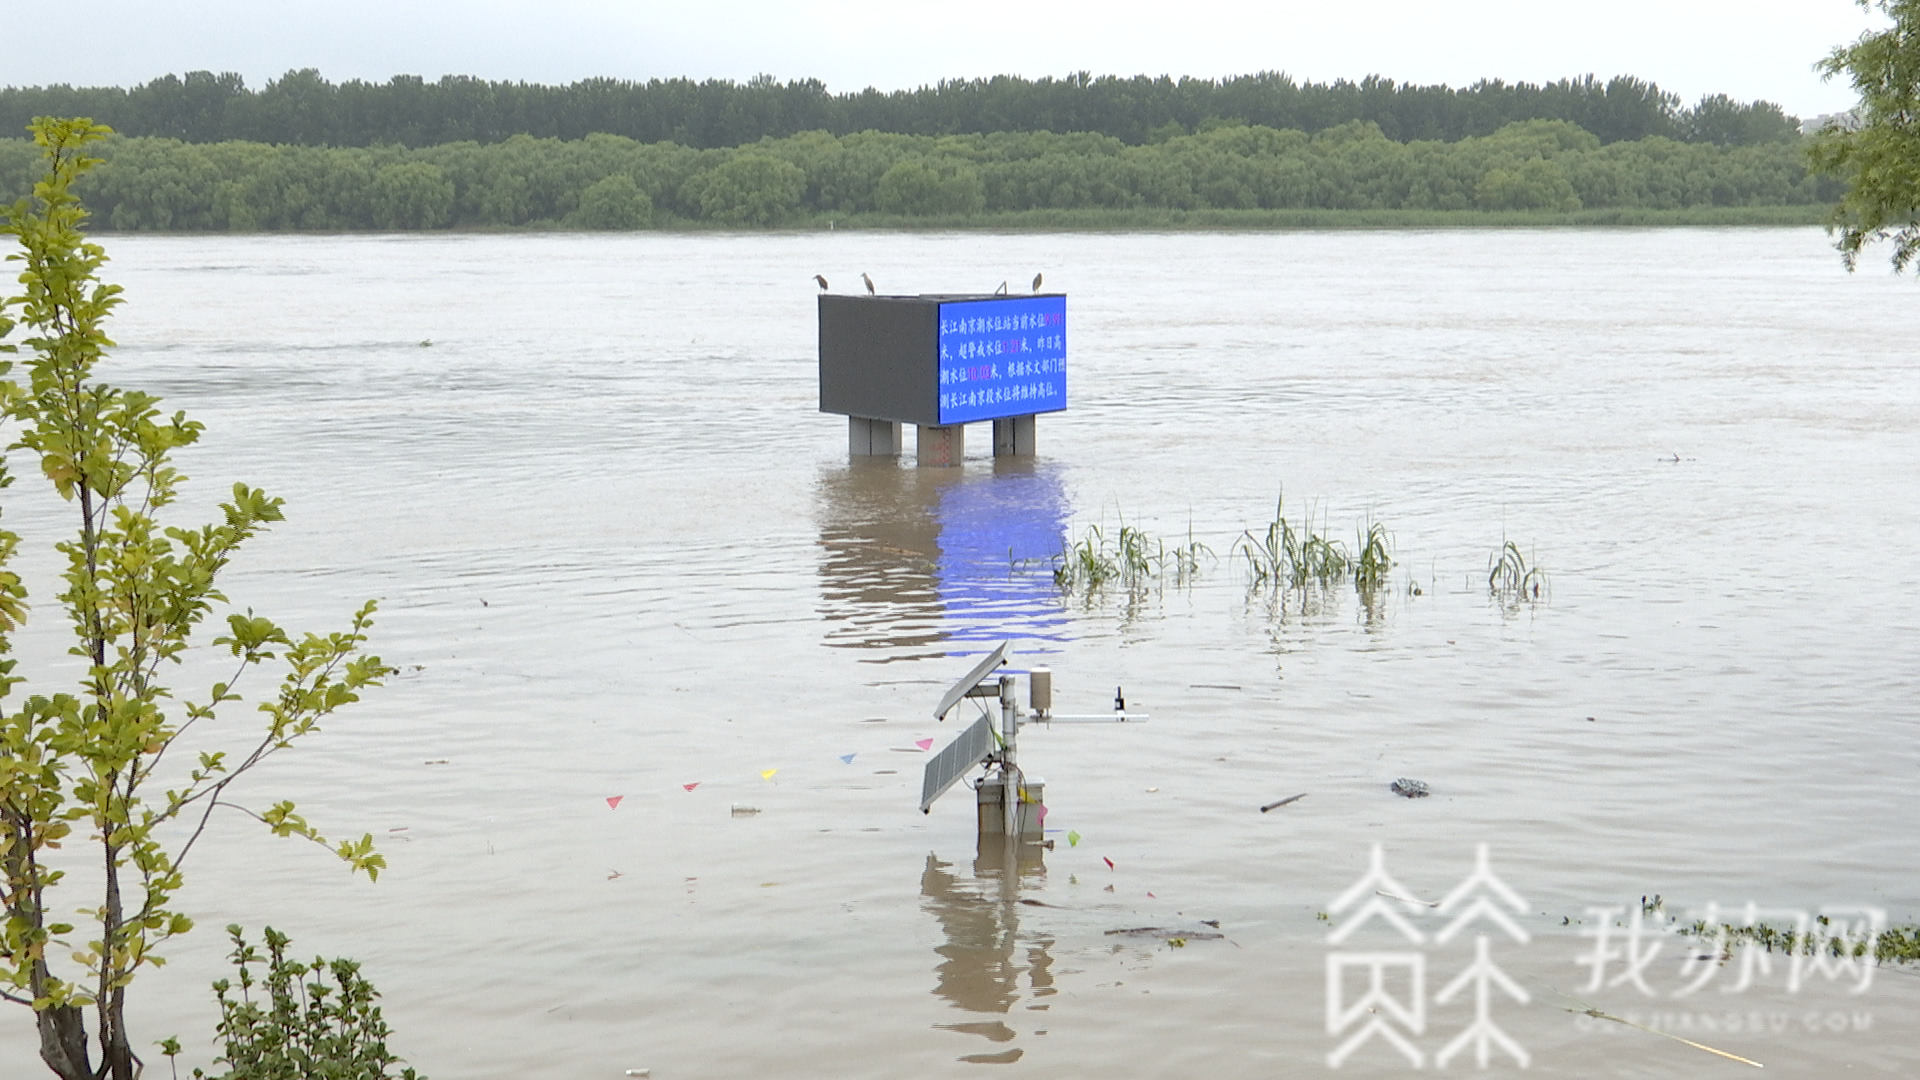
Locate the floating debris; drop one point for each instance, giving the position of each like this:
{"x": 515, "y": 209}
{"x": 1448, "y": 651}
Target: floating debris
{"x": 744, "y": 811}
{"x": 1166, "y": 934}
{"x": 1283, "y": 802}
{"x": 1412, "y": 789}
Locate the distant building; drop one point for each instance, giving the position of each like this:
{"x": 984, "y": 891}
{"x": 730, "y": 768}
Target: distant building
{"x": 1850, "y": 120}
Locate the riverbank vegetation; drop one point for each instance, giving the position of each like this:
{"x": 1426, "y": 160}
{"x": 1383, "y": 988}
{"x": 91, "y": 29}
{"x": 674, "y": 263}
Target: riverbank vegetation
{"x": 302, "y": 108}
{"x": 1228, "y": 175}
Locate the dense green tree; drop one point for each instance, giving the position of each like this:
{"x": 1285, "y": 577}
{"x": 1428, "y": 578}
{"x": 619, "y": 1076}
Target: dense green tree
{"x": 301, "y": 107}
{"x": 922, "y": 187}
{"x": 1537, "y": 165}
{"x": 751, "y": 189}
{"x": 613, "y": 203}
{"x": 411, "y": 195}
{"x": 1878, "y": 155}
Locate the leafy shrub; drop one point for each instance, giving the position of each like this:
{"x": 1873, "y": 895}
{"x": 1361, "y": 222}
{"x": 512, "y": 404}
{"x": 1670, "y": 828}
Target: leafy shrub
{"x": 299, "y": 1030}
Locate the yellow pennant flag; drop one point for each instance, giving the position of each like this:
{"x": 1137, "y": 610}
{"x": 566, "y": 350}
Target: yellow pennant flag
{"x": 767, "y": 774}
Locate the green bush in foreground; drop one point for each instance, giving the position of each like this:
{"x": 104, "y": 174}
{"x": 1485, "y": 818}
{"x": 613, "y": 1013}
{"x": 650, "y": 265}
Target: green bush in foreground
{"x": 325, "y": 1029}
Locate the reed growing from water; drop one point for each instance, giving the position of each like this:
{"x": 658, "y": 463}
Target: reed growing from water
{"x": 1509, "y": 578}
{"x": 1132, "y": 558}
{"x": 1294, "y": 557}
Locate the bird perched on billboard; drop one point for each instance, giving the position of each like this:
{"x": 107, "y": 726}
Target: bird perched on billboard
{"x": 822, "y": 282}
{"x": 1036, "y": 282}
{"x": 868, "y": 280}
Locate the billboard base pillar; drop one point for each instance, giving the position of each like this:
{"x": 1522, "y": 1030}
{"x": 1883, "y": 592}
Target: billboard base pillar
{"x": 1013, "y": 436}
{"x": 872, "y": 438}
{"x": 940, "y": 445}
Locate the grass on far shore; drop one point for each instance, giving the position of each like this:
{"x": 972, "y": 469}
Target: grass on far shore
{"x": 1151, "y": 219}
{"x": 1155, "y": 219}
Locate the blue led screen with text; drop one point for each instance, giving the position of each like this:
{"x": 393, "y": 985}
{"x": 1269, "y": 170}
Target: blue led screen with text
{"x": 1002, "y": 358}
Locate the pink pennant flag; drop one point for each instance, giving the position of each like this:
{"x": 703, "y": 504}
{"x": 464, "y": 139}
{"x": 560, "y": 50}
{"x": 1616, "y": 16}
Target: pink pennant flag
{"x": 613, "y": 801}
{"x": 1043, "y": 815}
{"x": 1108, "y": 861}
{"x": 1150, "y": 896}
{"x": 691, "y": 786}
{"x": 924, "y": 744}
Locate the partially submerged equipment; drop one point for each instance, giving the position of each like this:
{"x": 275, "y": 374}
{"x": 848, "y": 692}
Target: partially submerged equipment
{"x": 1010, "y": 804}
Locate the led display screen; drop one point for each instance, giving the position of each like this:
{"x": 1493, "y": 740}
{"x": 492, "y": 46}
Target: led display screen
{"x": 1002, "y": 357}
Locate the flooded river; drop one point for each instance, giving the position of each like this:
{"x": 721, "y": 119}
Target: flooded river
{"x": 632, "y": 583}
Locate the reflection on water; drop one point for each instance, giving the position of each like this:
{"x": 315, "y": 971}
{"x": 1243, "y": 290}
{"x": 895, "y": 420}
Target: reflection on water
{"x": 985, "y": 955}
{"x": 915, "y": 558}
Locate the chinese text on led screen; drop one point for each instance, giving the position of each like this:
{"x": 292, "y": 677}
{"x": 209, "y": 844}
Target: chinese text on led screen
{"x": 1002, "y": 358}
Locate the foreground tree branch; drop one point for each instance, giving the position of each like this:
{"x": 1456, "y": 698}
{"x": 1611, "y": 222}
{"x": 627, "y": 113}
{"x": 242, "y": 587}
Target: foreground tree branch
{"x": 135, "y": 592}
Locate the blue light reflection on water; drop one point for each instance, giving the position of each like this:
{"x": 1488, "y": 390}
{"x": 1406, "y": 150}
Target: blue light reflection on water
{"x": 998, "y": 537}
{"x": 916, "y": 560}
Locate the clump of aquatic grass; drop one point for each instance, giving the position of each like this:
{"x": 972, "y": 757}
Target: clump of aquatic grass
{"x": 1888, "y": 945}
{"x": 1510, "y": 578}
{"x": 1376, "y": 559}
{"x": 1132, "y": 558}
{"x": 1294, "y": 557}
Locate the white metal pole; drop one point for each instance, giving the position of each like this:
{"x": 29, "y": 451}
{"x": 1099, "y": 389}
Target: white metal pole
{"x": 1009, "y": 763}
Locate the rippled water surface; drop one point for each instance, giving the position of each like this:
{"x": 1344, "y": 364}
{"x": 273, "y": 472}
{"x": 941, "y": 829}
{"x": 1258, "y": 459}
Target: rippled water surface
{"x": 620, "y": 553}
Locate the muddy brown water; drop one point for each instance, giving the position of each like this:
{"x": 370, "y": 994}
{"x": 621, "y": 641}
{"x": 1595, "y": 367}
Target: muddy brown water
{"x": 619, "y": 552}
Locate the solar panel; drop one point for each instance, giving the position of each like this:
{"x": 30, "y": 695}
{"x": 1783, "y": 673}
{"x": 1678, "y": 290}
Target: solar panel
{"x": 972, "y": 679}
{"x": 954, "y": 761}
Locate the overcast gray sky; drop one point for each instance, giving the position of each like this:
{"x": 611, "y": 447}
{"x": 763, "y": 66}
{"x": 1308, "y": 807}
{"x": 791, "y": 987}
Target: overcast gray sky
{"x": 1747, "y": 48}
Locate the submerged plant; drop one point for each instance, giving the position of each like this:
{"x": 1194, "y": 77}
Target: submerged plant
{"x": 1133, "y": 559}
{"x": 1510, "y": 578}
{"x": 1886, "y": 945}
{"x": 1376, "y": 559}
{"x": 1294, "y": 558}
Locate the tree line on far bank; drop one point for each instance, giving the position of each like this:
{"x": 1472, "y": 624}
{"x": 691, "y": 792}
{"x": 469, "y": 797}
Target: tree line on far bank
{"x": 612, "y": 182}
{"x": 303, "y": 108}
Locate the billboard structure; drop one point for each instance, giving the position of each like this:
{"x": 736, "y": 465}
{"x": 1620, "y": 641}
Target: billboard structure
{"x": 939, "y": 362}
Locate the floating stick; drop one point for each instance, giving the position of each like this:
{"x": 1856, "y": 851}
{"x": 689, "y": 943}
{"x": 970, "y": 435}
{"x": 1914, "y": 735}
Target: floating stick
{"x": 1589, "y": 1010}
{"x": 1283, "y": 802}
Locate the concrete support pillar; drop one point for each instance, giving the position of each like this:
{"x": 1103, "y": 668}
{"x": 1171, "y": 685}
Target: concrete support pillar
{"x": 941, "y": 445}
{"x": 1013, "y": 437}
{"x": 872, "y": 438}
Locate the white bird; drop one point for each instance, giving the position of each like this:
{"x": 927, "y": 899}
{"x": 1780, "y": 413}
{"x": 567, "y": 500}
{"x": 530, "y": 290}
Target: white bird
{"x": 822, "y": 281}
{"x": 1036, "y": 282}
{"x": 868, "y": 280}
